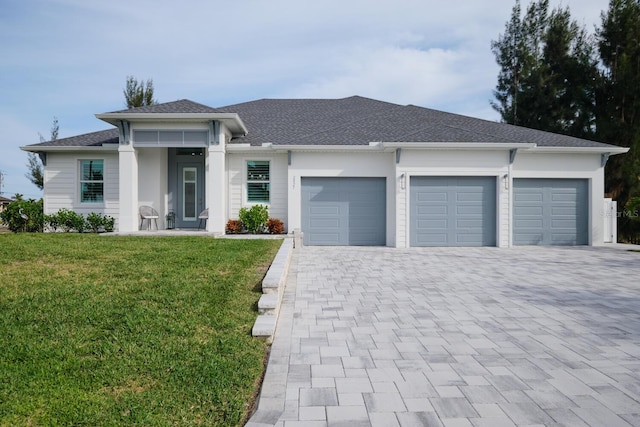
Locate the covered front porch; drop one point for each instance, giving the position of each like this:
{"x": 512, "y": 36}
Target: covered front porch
{"x": 177, "y": 183}
{"x": 172, "y": 159}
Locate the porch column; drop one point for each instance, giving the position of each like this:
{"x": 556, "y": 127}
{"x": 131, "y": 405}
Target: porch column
{"x": 216, "y": 189}
{"x": 128, "y": 187}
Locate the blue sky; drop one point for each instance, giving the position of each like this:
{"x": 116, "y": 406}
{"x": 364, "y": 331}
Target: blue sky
{"x": 70, "y": 58}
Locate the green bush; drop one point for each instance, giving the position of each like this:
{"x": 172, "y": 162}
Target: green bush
{"x": 108, "y": 223}
{"x": 254, "y": 219}
{"x": 95, "y": 221}
{"x": 24, "y": 216}
{"x": 70, "y": 220}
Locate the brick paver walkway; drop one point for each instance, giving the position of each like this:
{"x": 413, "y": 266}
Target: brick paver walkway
{"x": 456, "y": 337}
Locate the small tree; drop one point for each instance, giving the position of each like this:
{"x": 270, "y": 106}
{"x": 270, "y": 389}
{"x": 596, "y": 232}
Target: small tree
{"x": 138, "y": 93}
{"x": 34, "y": 165}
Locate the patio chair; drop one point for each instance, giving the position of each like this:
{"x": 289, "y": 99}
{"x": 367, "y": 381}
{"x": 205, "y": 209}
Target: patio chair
{"x": 204, "y": 216}
{"x": 148, "y": 213}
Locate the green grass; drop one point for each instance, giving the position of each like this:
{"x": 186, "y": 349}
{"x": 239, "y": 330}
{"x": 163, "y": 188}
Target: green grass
{"x": 105, "y": 330}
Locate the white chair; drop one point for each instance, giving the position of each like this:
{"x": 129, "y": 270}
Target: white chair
{"x": 204, "y": 216}
{"x": 148, "y": 213}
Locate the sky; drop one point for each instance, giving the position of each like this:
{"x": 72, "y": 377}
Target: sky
{"x": 70, "y": 59}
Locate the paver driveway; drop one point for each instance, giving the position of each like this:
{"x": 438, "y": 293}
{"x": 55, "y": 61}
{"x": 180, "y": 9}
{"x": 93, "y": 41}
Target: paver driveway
{"x": 456, "y": 337}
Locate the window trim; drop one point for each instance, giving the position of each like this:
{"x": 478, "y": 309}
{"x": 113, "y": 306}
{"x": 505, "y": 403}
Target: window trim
{"x": 81, "y": 181}
{"x": 256, "y": 181}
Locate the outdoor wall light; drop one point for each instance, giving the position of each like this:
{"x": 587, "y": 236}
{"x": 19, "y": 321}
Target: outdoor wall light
{"x": 505, "y": 178}
{"x": 403, "y": 181}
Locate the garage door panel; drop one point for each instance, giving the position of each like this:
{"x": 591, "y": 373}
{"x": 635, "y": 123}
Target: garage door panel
{"x": 469, "y": 197}
{"x": 324, "y": 210}
{"x": 344, "y": 211}
{"x": 433, "y": 197}
{"x": 469, "y": 223}
{"x": 559, "y": 217}
{"x": 452, "y": 211}
{"x": 433, "y": 224}
{"x": 473, "y": 210}
{"x": 324, "y": 223}
{"x": 528, "y": 197}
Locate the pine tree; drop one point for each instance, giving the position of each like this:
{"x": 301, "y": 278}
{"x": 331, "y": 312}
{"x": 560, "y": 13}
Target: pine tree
{"x": 34, "y": 165}
{"x": 138, "y": 93}
{"x": 547, "y": 72}
{"x": 618, "y": 120}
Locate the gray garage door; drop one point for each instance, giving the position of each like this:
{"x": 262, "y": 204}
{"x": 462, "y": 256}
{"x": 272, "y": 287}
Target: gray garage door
{"x": 344, "y": 211}
{"x": 550, "y": 212}
{"x": 453, "y": 211}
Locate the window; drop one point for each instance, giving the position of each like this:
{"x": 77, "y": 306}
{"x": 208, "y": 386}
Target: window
{"x": 91, "y": 181}
{"x": 258, "y": 181}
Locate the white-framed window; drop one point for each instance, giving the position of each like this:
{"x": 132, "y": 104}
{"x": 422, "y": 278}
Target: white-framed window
{"x": 91, "y": 181}
{"x": 258, "y": 181}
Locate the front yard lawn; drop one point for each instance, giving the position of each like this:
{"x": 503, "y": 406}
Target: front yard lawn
{"x": 114, "y": 330}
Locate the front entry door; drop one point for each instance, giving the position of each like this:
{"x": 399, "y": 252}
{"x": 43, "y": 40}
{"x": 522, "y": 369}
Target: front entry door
{"x": 190, "y": 191}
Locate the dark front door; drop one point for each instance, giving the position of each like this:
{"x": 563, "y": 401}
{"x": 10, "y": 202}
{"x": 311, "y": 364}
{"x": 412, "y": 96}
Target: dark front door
{"x": 190, "y": 194}
{"x": 186, "y": 185}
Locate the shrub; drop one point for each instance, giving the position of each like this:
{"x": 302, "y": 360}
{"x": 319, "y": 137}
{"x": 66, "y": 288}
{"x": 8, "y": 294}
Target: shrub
{"x": 69, "y": 220}
{"x": 52, "y": 222}
{"x": 275, "y": 226}
{"x": 108, "y": 222}
{"x": 95, "y": 221}
{"x": 234, "y": 226}
{"x": 24, "y": 215}
{"x": 254, "y": 219}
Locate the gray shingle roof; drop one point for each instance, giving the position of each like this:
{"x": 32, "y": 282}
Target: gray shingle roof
{"x": 180, "y": 106}
{"x": 359, "y": 121}
{"x": 348, "y": 121}
{"x": 93, "y": 139}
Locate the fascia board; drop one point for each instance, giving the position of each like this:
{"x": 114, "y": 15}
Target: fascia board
{"x": 594, "y": 150}
{"x": 106, "y": 147}
{"x": 227, "y": 118}
{"x": 460, "y": 145}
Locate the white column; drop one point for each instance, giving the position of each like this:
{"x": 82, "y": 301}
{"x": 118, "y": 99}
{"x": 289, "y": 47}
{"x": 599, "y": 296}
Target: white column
{"x": 596, "y": 211}
{"x": 128, "y": 176}
{"x": 216, "y": 186}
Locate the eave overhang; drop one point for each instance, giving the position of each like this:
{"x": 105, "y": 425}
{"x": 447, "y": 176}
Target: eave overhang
{"x": 231, "y": 120}
{"x": 67, "y": 148}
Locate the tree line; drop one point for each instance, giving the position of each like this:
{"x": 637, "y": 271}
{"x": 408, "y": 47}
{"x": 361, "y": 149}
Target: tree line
{"x": 556, "y": 76}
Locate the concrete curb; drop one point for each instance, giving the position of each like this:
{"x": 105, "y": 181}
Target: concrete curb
{"x": 272, "y": 291}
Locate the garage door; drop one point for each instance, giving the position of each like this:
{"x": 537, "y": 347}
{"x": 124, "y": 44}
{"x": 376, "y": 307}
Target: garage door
{"x": 453, "y": 211}
{"x": 344, "y": 211}
{"x": 550, "y": 212}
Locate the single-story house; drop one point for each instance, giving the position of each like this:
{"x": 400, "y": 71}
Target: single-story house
{"x": 352, "y": 171}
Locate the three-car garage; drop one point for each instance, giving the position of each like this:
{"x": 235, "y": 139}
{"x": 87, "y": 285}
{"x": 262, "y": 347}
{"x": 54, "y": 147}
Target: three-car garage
{"x": 445, "y": 211}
